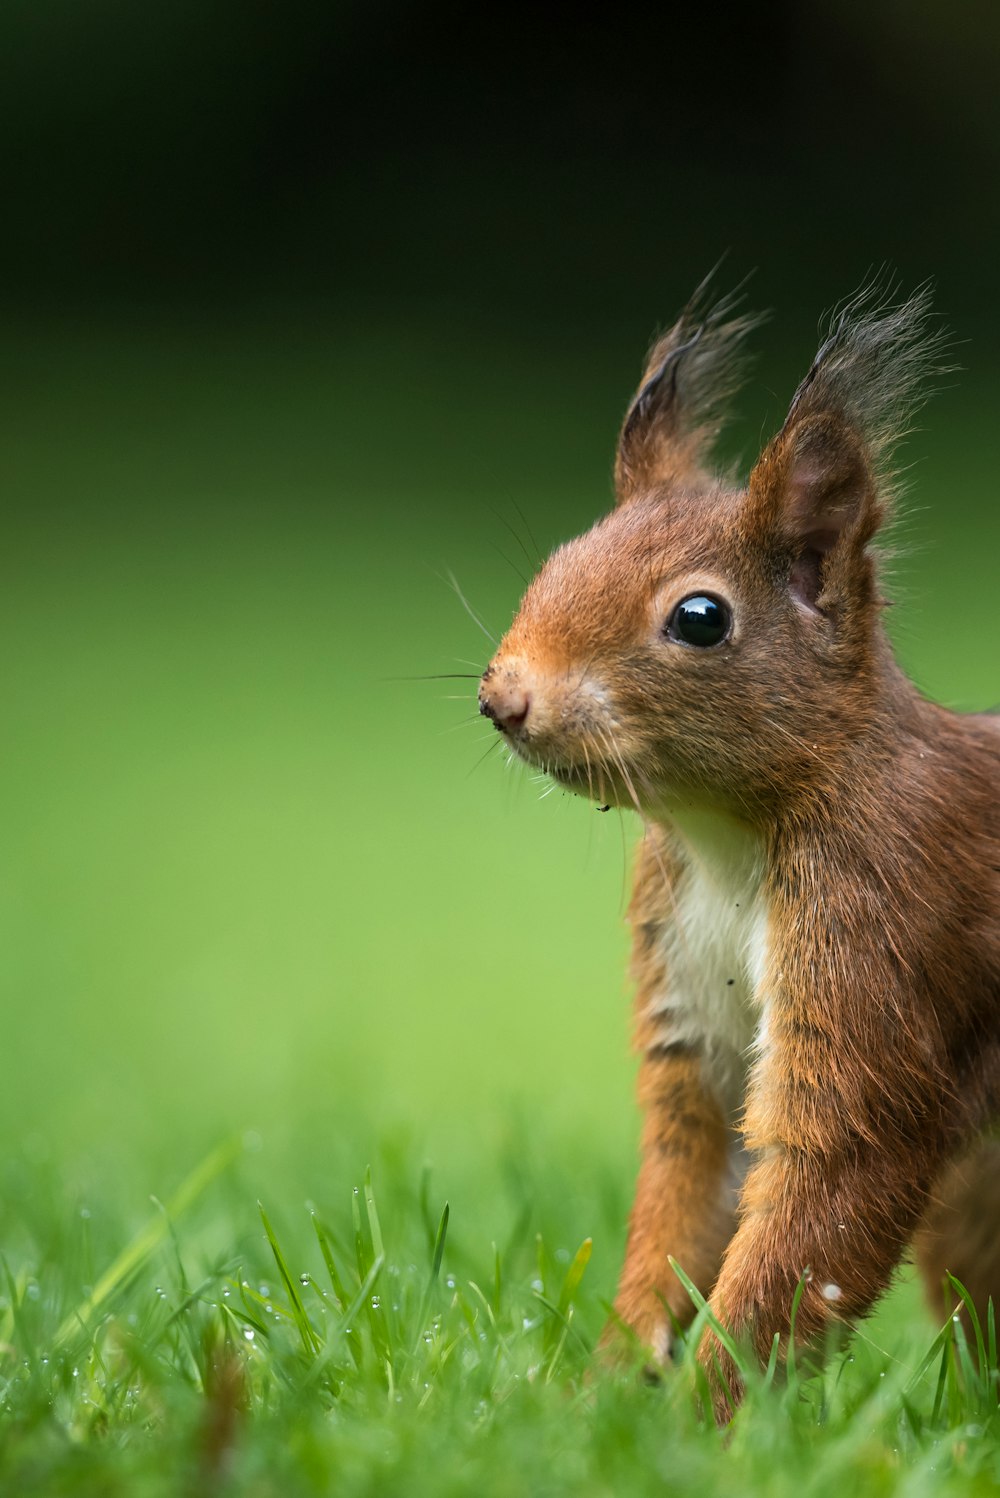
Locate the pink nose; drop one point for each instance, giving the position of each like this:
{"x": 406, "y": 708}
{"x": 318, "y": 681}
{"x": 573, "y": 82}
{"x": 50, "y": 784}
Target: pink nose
{"x": 506, "y": 704}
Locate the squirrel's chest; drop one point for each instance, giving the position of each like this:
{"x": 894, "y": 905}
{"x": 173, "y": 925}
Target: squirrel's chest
{"x": 714, "y": 949}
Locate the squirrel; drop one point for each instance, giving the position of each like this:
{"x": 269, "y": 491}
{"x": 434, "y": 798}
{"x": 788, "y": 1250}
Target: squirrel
{"x": 816, "y": 906}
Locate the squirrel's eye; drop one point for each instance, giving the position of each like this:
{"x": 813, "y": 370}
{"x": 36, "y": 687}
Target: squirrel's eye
{"x": 699, "y": 620}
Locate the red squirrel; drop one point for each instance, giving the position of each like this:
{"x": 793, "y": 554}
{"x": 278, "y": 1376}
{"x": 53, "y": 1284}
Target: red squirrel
{"x": 816, "y": 908}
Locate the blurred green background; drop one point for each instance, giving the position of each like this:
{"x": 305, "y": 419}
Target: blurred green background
{"x": 302, "y": 307}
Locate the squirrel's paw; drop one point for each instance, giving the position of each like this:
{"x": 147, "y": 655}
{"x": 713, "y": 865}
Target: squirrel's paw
{"x": 647, "y": 1345}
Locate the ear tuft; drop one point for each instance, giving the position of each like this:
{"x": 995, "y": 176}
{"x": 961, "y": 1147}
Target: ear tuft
{"x": 691, "y": 373}
{"x": 874, "y": 367}
{"x": 823, "y": 484}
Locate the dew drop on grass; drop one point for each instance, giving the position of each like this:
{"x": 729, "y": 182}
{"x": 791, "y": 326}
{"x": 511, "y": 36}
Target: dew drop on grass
{"x": 376, "y": 1303}
{"x": 450, "y": 1281}
{"x": 303, "y": 1279}
{"x": 263, "y": 1289}
{"x": 248, "y": 1333}
{"x": 226, "y": 1292}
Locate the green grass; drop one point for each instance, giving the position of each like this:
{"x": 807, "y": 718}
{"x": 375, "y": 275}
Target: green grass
{"x": 253, "y": 887}
{"x": 299, "y": 1347}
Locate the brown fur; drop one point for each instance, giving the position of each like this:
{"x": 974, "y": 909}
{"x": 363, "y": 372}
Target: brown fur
{"x": 876, "y": 989}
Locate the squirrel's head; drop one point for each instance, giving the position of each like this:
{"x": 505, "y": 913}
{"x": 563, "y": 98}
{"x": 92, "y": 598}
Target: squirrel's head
{"x": 708, "y": 640}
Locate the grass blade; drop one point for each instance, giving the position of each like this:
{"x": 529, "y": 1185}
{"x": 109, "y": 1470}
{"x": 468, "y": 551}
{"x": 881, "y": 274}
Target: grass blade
{"x": 326, "y": 1249}
{"x": 374, "y": 1227}
{"x": 974, "y": 1321}
{"x": 310, "y": 1341}
{"x": 346, "y": 1326}
{"x": 574, "y": 1274}
{"x": 710, "y": 1318}
{"x": 148, "y": 1238}
{"x": 432, "y": 1279}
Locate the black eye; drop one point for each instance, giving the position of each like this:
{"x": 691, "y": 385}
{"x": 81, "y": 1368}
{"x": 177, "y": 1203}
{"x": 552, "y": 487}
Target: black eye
{"x": 699, "y": 620}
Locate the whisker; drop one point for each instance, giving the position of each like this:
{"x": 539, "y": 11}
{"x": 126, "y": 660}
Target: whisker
{"x": 452, "y": 581}
{"x": 482, "y": 757}
{"x": 629, "y": 786}
{"x": 620, "y": 764}
{"x": 623, "y": 899}
{"x": 532, "y": 561}
{"x": 439, "y": 676}
{"x": 512, "y": 565}
{"x": 462, "y": 723}
{"x": 521, "y": 516}
{"x": 590, "y": 782}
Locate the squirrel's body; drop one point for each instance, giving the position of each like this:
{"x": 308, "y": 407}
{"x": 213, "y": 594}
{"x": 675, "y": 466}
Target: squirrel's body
{"x": 816, "y": 915}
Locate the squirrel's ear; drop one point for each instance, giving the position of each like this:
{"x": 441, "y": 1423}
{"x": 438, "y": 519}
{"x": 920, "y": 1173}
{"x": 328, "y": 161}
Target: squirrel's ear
{"x": 822, "y": 487}
{"x": 813, "y": 491}
{"x": 676, "y": 413}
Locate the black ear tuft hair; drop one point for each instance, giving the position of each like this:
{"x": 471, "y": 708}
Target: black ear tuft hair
{"x": 874, "y": 368}
{"x": 822, "y": 486}
{"x": 691, "y": 373}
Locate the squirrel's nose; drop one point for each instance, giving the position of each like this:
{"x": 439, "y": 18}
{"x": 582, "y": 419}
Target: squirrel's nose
{"x": 506, "y": 704}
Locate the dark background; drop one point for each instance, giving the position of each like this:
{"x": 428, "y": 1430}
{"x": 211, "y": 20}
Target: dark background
{"x": 300, "y": 307}
{"x": 519, "y": 161}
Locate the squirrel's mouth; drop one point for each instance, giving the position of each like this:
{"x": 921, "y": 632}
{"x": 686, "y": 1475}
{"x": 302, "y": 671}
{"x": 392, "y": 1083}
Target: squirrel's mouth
{"x": 594, "y": 779}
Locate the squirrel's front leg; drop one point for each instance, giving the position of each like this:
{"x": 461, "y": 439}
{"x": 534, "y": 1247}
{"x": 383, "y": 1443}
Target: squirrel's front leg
{"x": 846, "y": 1126}
{"x": 684, "y": 1197}
{"x": 691, "y": 1155}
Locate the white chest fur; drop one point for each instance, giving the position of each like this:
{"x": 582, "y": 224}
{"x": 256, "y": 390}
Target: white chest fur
{"x": 715, "y": 949}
